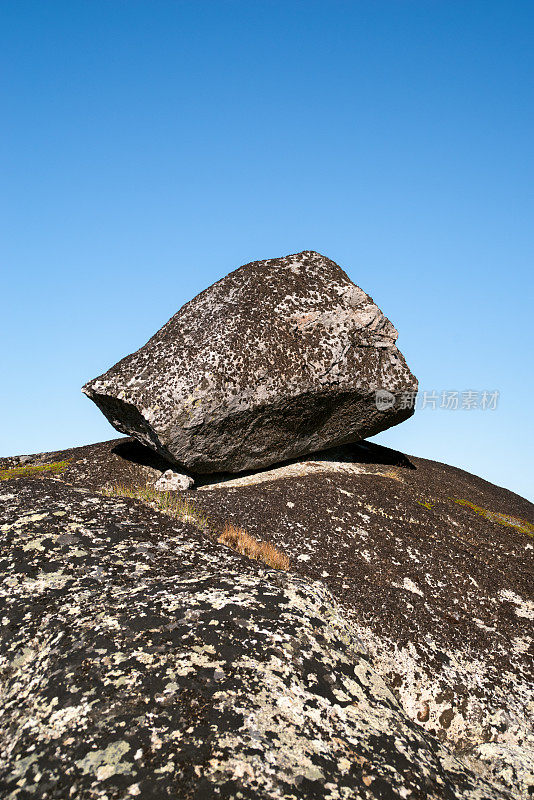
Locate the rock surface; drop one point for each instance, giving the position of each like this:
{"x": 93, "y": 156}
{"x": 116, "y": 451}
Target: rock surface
{"x": 278, "y": 359}
{"x": 173, "y": 482}
{"x": 141, "y": 659}
{"x": 432, "y": 568}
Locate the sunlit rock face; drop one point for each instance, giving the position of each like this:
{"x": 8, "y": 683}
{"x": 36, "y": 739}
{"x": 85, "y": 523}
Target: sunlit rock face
{"x": 122, "y": 626}
{"x": 140, "y": 658}
{"x": 278, "y": 359}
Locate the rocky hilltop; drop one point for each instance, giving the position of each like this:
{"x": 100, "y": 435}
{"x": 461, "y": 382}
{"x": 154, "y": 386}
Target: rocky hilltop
{"x": 304, "y": 614}
{"x": 143, "y": 657}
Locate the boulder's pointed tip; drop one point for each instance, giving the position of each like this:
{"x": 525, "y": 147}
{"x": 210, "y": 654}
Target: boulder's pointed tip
{"x": 303, "y": 256}
{"x": 308, "y": 253}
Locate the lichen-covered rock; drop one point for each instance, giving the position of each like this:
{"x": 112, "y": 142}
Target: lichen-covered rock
{"x": 278, "y": 359}
{"x": 173, "y": 482}
{"x": 435, "y": 569}
{"x": 433, "y": 566}
{"x": 142, "y": 659}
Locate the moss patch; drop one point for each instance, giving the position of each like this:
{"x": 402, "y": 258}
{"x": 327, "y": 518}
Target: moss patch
{"x": 34, "y": 470}
{"x": 501, "y": 519}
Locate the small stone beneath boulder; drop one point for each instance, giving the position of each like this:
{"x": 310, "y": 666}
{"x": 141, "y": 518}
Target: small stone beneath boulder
{"x": 279, "y": 359}
{"x": 173, "y": 482}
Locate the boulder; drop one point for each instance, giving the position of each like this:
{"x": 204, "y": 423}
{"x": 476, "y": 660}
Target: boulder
{"x": 278, "y": 359}
{"x": 173, "y": 482}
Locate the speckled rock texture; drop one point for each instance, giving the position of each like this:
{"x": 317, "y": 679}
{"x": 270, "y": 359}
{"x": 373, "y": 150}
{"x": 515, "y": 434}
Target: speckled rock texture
{"x": 173, "y": 482}
{"x": 432, "y": 565}
{"x": 139, "y": 658}
{"x": 278, "y": 359}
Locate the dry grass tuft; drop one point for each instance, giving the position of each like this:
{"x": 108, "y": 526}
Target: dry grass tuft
{"x": 394, "y": 474}
{"x": 167, "y": 502}
{"x": 247, "y": 545}
{"x": 175, "y": 506}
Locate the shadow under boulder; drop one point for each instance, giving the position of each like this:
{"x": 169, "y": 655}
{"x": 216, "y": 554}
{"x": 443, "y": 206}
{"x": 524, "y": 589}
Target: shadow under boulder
{"x": 127, "y": 462}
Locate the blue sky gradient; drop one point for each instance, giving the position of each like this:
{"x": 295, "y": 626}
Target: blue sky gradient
{"x": 148, "y": 148}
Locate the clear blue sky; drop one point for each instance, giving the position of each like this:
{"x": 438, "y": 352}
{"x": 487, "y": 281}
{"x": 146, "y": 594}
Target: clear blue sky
{"x": 148, "y": 148}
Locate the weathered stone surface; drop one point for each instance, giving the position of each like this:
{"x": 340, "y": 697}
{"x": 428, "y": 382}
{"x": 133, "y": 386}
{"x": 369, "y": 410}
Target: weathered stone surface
{"x": 98, "y": 466}
{"x": 434, "y": 567}
{"x": 278, "y": 359}
{"x": 140, "y": 658}
{"x": 173, "y": 482}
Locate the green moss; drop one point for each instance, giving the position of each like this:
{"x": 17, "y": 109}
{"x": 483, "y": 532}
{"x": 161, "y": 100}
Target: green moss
{"x": 34, "y": 470}
{"x": 501, "y": 519}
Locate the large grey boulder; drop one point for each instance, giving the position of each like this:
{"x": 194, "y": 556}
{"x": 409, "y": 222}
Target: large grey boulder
{"x": 278, "y": 359}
